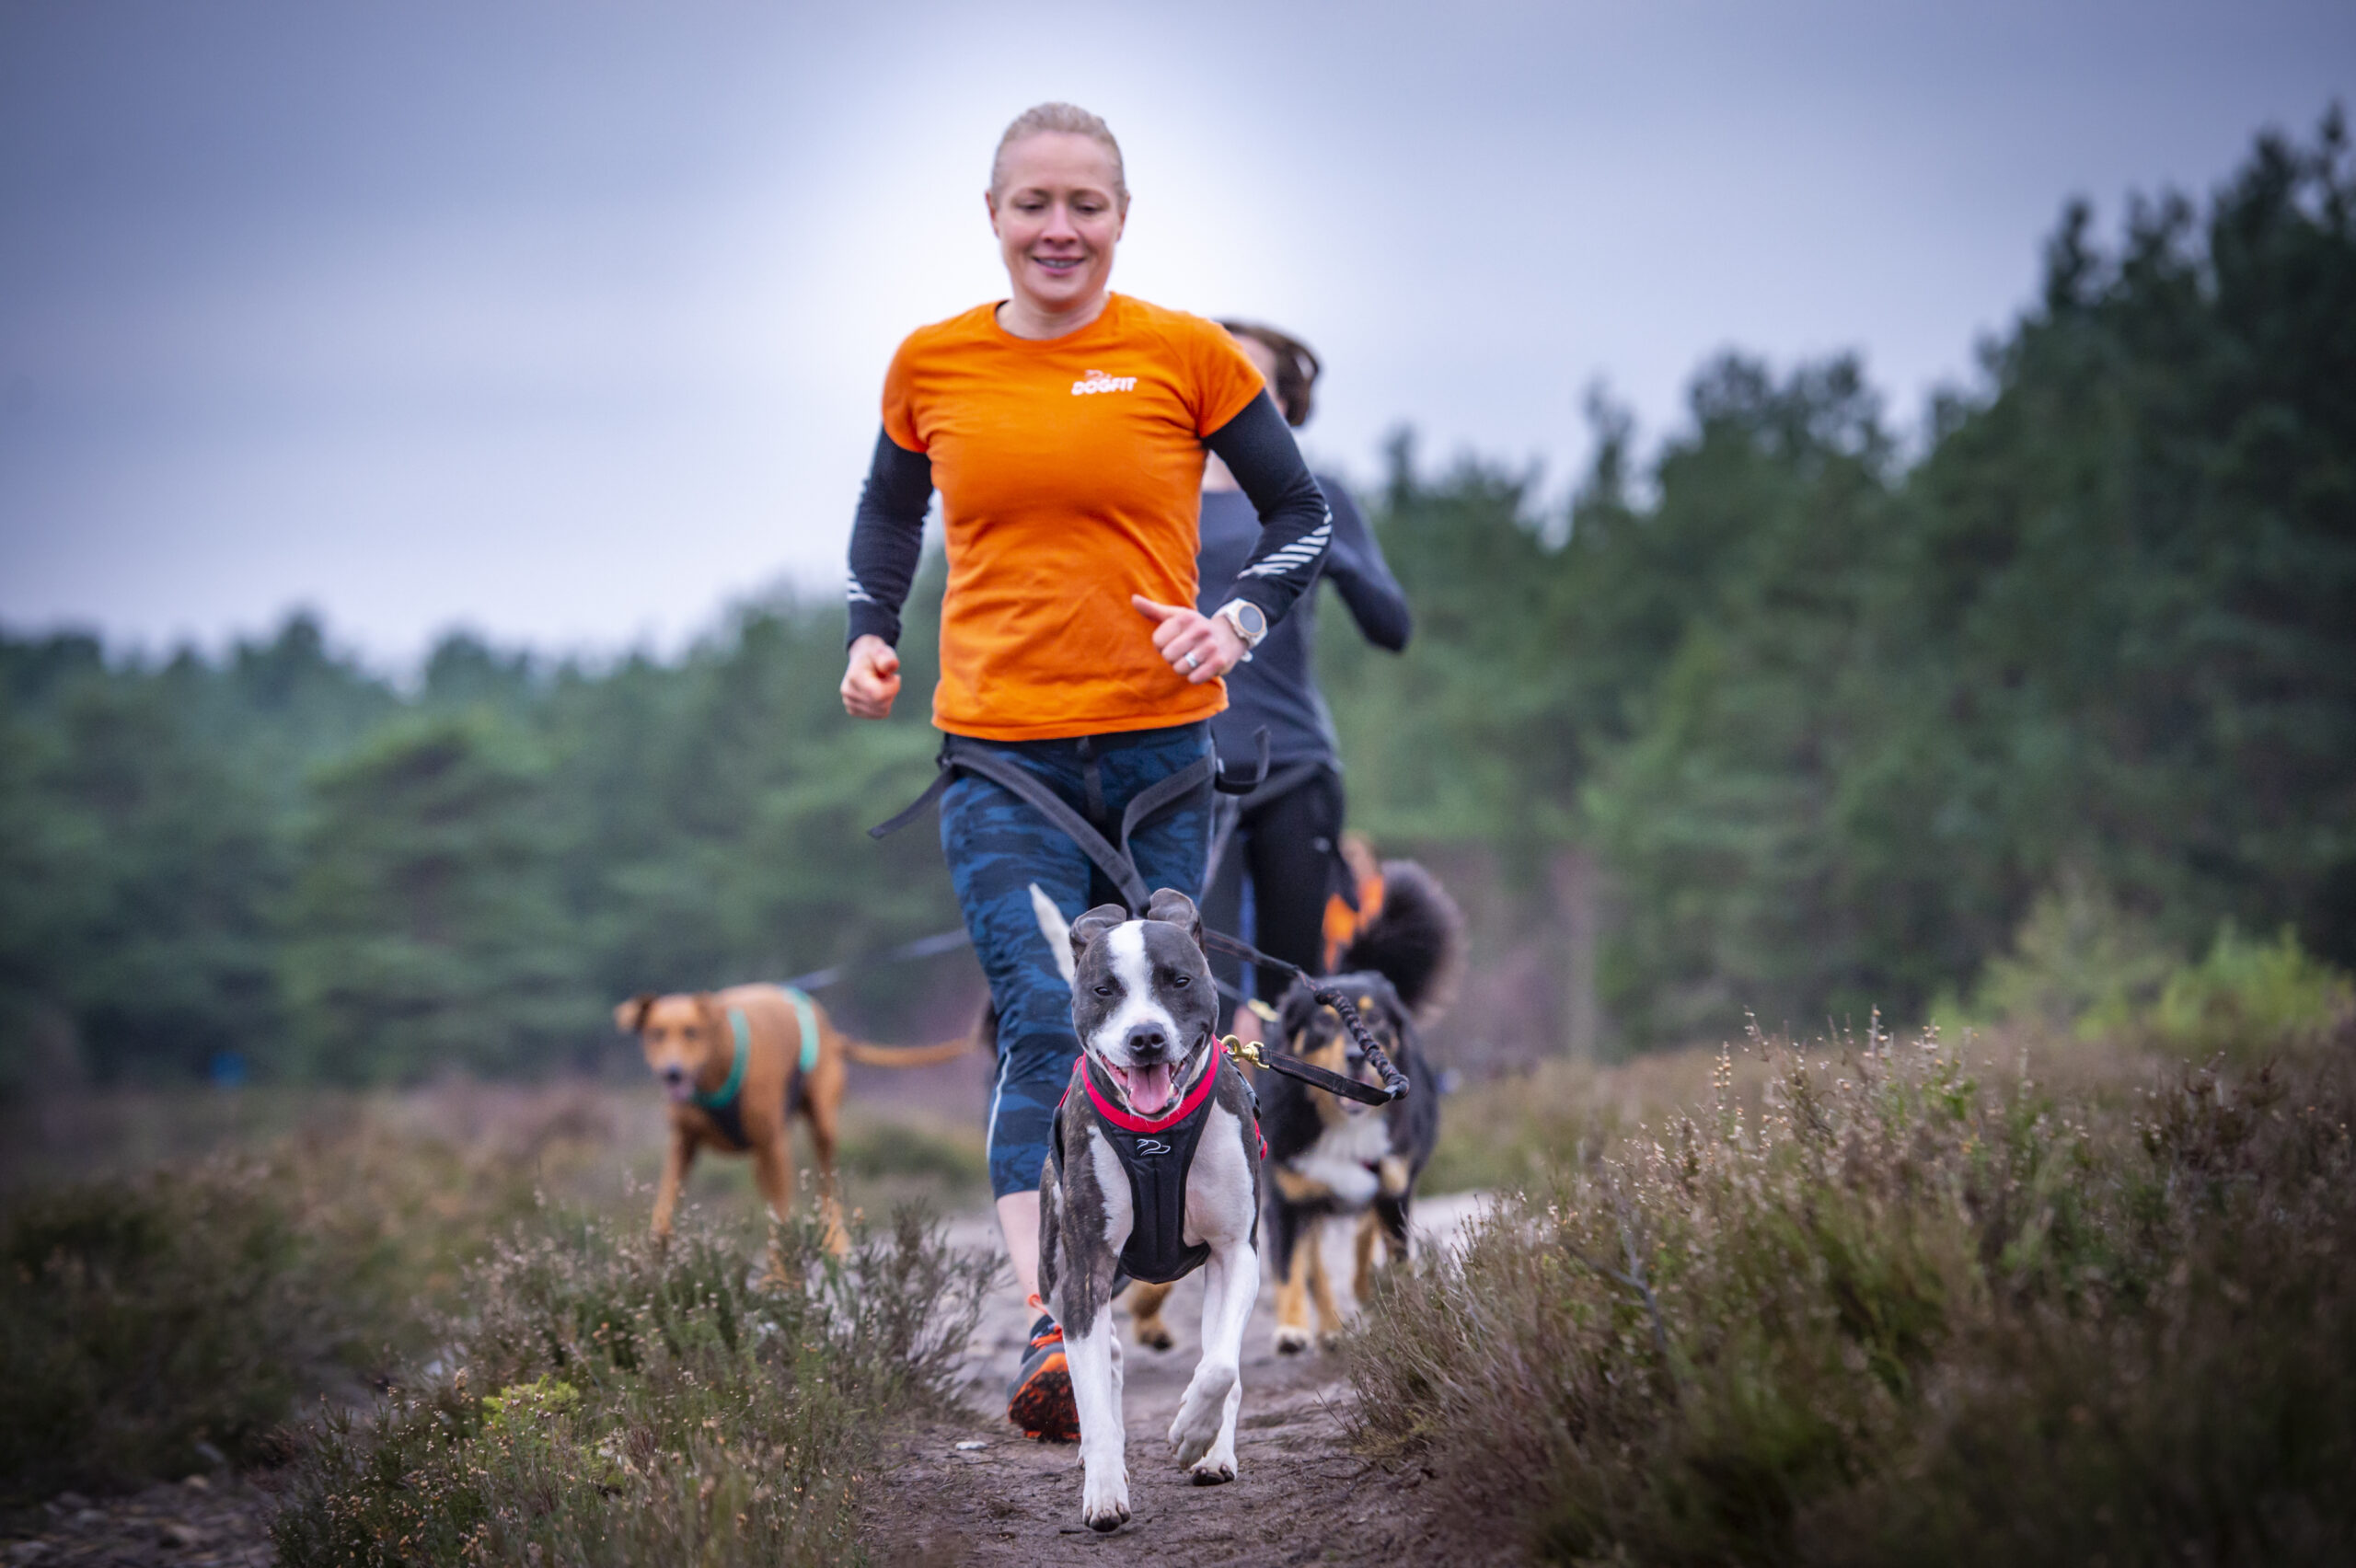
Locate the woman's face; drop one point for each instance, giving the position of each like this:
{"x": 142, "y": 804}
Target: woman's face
{"x": 1056, "y": 220}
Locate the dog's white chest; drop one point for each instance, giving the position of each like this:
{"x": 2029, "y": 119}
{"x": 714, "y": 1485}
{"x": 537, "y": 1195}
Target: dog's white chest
{"x": 1342, "y": 1157}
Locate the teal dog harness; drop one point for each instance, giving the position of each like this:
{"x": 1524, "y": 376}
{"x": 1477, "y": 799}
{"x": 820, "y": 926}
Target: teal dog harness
{"x": 722, "y": 1104}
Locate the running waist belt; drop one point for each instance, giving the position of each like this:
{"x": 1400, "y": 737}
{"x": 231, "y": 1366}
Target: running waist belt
{"x": 1112, "y": 857}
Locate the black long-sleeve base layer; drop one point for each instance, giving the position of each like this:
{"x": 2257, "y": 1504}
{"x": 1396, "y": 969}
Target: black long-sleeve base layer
{"x": 887, "y": 531}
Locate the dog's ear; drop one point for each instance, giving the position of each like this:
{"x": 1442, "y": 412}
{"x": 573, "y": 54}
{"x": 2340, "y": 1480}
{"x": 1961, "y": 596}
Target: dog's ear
{"x": 1094, "y": 923}
{"x": 1172, "y": 907}
{"x": 1292, "y": 1012}
{"x": 630, "y": 1017}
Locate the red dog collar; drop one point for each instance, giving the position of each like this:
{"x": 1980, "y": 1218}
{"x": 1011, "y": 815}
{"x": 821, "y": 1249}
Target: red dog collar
{"x": 1130, "y": 1122}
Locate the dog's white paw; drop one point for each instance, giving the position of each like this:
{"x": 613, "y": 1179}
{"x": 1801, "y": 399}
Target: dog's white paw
{"x": 1215, "y": 1469}
{"x": 1200, "y": 1414}
{"x": 1105, "y": 1500}
{"x": 1291, "y": 1339}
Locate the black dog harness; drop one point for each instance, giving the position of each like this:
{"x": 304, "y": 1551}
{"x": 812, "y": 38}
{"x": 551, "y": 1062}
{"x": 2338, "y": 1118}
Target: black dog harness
{"x": 1156, "y": 1152}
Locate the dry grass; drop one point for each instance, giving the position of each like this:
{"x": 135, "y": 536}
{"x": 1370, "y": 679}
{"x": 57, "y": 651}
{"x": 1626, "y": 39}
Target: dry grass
{"x": 1506, "y": 1134}
{"x": 178, "y": 1275}
{"x": 588, "y": 1141}
{"x": 1878, "y": 1301}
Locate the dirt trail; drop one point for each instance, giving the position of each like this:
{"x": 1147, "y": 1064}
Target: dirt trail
{"x": 1298, "y": 1495}
{"x": 202, "y": 1523}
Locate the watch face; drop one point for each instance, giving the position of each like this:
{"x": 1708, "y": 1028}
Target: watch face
{"x": 1250, "y": 622}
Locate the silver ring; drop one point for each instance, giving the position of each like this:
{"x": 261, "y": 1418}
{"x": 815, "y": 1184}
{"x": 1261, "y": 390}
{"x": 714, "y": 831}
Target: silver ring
{"x": 1190, "y": 661}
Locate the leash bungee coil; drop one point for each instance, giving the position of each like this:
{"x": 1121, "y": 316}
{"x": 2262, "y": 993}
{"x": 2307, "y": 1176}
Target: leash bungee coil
{"x": 1309, "y": 1073}
{"x": 1395, "y": 1082}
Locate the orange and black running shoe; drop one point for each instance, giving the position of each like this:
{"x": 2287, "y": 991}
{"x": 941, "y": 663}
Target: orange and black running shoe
{"x": 1039, "y": 1400}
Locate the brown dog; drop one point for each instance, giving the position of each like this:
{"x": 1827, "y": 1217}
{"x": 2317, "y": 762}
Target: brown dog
{"x": 732, "y": 1063}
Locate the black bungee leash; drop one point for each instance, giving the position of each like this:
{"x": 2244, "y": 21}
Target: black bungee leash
{"x": 1395, "y": 1082}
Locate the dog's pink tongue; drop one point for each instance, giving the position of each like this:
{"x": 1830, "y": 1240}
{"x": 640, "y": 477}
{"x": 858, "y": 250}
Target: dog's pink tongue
{"x": 1150, "y": 1087}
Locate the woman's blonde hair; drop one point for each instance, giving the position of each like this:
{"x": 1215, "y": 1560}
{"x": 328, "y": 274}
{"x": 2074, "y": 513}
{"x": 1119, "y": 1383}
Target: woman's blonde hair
{"x": 1073, "y": 121}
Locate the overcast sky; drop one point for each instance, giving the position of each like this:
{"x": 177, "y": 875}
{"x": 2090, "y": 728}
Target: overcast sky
{"x": 565, "y": 322}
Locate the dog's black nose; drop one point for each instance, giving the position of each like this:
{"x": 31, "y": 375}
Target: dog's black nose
{"x": 1147, "y": 1043}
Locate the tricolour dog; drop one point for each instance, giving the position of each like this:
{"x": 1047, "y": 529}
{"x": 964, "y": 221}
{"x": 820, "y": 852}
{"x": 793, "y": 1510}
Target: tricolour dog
{"x": 1337, "y": 1161}
{"x": 1333, "y": 1161}
{"x": 737, "y": 1065}
{"x": 1152, "y": 1172}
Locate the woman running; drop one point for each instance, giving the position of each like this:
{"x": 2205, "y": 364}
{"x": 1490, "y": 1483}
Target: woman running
{"x": 1064, "y": 428}
{"x": 1286, "y": 835}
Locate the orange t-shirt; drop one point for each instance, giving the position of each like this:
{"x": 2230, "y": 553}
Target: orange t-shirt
{"x": 1070, "y": 474}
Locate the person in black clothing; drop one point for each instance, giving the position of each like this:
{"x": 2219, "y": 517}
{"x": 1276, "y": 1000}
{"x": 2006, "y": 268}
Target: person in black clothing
{"x": 1283, "y": 838}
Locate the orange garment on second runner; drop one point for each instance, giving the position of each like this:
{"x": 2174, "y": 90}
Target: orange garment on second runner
{"x": 1069, "y": 473}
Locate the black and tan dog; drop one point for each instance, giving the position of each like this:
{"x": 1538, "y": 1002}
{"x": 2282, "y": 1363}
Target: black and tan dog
{"x": 738, "y": 1064}
{"x": 1333, "y": 1162}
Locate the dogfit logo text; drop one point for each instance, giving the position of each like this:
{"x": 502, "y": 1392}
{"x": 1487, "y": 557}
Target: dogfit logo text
{"x": 1152, "y": 1146}
{"x": 1096, "y": 381}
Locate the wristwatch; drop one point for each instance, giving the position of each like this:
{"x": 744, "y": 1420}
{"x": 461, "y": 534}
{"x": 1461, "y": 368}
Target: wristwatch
{"x": 1247, "y": 620}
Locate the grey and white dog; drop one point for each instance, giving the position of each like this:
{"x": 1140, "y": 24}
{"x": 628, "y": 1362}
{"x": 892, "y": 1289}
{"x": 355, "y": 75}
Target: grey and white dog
{"x": 1154, "y": 1171}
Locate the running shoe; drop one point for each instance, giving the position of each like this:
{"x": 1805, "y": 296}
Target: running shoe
{"x": 1039, "y": 1400}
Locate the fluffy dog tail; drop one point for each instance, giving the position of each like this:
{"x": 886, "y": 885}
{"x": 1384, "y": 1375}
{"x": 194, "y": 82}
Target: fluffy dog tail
{"x": 1415, "y": 941}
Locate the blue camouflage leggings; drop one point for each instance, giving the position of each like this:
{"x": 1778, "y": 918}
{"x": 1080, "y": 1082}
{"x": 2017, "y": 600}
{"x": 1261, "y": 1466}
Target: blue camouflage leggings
{"x": 997, "y": 846}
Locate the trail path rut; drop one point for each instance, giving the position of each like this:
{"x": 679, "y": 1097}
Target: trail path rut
{"x": 1299, "y": 1496}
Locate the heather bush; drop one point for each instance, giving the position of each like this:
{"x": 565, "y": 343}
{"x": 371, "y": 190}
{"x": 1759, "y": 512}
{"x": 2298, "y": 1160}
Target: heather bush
{"x": 144, "y": 1322}
{"x": 1511, "y": 1132}
{"x": 607, "y": 1399}
{"x": 157, "y": 1323}
{"x": 1910, "y": 1307}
